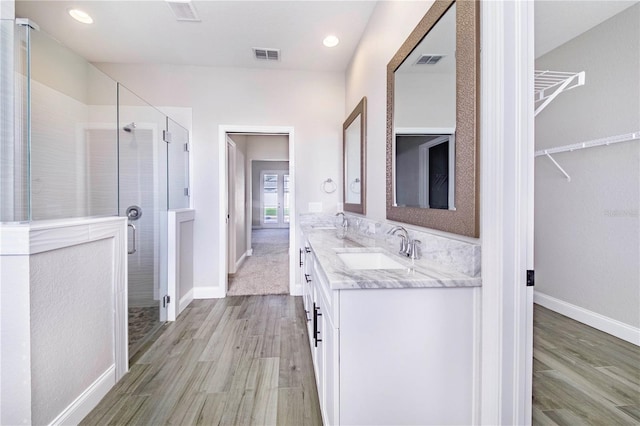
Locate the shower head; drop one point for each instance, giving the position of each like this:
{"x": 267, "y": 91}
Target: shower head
{"x": 129, "y": 127}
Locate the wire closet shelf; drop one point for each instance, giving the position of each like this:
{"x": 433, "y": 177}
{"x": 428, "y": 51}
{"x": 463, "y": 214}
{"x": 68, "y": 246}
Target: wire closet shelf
{"x": 549, "y": 84}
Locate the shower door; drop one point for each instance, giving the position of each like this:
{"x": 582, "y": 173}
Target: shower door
{"x": 142, "y": 198}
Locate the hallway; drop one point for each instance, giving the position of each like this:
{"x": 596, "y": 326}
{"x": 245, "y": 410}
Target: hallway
{"x": 267, "y": 270}
{"x": 233, "y": 361}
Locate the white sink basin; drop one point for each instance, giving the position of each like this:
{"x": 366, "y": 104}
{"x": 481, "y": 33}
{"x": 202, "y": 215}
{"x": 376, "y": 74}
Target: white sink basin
{"x": 323, "y": 227}
{"x": 369, "y": 260}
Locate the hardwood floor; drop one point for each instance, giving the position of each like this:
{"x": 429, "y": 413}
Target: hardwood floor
{"x": 235, "y": 361}
{"x": 582, "y": 375}
{"x": 246, "y": 360}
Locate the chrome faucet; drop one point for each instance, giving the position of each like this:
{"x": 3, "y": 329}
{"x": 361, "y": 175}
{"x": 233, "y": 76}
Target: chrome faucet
{"x": 342, "y": 230}
{"x": 404, "y": 238}
{"x": 345, "y": 223}
{"x": 408, "y": 247}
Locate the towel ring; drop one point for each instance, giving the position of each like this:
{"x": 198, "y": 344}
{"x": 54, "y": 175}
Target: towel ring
{"x": 329, "y": 186}
{"x": 355, "y": 187}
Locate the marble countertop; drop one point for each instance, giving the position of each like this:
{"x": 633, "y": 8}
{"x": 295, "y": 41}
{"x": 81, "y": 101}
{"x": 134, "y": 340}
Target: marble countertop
{"x": 418, "y": 274}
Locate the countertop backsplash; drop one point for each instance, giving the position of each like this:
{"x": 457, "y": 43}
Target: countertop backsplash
{"x": 458, "y": 255}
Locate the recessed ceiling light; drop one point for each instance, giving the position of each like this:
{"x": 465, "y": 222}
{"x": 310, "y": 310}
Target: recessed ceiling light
{"x": 81, "y": 16}
{"x": 331, "y": 41}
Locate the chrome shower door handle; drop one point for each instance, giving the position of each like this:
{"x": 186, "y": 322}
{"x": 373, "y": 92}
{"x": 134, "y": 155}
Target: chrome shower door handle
{"x": 134, "y": 248}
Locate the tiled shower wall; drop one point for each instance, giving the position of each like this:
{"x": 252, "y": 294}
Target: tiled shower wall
{"x": 59, "y": 146}
{"x": 74, "y": 173}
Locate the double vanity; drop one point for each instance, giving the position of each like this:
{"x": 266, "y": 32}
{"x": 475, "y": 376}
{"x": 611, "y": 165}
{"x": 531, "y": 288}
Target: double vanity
{"x": 392, "y": 338}
{"x": 393, "y": 320}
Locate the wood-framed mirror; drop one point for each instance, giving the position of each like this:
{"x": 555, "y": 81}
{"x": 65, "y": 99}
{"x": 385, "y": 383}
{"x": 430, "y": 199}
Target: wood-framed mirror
{"x": 354, "y": 148}
{"x": 432, "y": 122}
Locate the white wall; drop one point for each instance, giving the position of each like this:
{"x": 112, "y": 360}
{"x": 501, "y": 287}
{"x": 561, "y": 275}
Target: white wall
{"x": 311, "y": 102}
{"x": 71, "y": 338}
{"x": 388, "y": 27}
{"x": 587, "y": 232}
{"x": 63, "y": 319}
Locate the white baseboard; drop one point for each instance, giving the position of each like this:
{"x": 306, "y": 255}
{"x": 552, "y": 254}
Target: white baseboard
{"x": 241, "y": 260}
{"x": 88, "y": 400}
{"x": 185, "y": 300}
{"x": 600, "y": 322}
{"x": 208, "y": 293}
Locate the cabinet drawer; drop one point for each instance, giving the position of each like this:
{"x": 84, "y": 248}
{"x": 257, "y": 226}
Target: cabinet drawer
{"x": 325, "y": 295}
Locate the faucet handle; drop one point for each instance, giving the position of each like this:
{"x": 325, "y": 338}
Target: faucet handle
{"x": 414, "y": 249}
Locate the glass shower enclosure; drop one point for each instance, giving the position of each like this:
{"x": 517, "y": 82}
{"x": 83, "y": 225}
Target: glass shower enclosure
{"x": 78, "y": 144}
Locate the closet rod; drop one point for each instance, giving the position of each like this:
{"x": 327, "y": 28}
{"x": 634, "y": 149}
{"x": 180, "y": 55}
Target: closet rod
{"x": 590, "y": 144}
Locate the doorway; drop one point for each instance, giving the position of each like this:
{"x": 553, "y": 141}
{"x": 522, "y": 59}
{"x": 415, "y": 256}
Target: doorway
{"x": 586, "y": 251}
{"x": 257, "y": 203}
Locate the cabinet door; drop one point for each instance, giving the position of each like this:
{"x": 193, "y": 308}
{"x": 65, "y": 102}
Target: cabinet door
{"x": 317, "y": 350}
{"x": 330, "y": 371}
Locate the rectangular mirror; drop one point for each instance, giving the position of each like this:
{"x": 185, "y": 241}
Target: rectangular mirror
{"x": 432, "y": 169}
{"x": 354, "y": 148}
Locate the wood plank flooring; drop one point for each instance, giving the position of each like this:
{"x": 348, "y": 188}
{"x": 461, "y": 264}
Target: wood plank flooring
{"x": 581, "y": 375}
{"x": 241, "y": 360}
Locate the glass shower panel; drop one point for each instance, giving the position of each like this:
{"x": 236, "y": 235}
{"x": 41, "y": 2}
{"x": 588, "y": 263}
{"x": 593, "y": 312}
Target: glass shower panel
{"x": 143, "y": 199}
{"x": 178, "y": 166}
{"x": 73, "y": 143}
{"x": 14, "y": 123}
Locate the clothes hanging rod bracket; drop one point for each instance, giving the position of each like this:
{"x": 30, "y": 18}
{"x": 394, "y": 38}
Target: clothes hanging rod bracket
{"x": 559, "y": 167}
{"x": 590, "y": 144}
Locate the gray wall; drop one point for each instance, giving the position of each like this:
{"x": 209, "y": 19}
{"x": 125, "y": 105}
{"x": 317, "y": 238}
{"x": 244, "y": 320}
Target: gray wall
{"x": 587, "y": 231}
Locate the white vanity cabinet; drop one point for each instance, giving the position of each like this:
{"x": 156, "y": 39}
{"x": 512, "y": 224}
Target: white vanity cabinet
{"x": 324, "y": 346}
{"x": 394, "y": 355}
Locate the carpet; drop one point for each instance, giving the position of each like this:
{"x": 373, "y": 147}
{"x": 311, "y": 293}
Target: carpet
{"x": 267, "y": 270}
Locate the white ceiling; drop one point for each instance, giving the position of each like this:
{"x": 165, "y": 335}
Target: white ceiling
{"x": 146, "y": 32}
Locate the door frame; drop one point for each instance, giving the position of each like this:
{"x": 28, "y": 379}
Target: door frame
{"x": 223, "y": 130}
{"x": 424, "y": 180}
{"x": 230, "y": 206}
{"x": 507, "y": 179}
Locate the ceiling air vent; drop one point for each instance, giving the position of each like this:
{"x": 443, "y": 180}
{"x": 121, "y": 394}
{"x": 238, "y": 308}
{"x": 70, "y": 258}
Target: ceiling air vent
{"x": 266, "y": 54}
{"x": 428, "y": 59}
{"x": 183, "y": 10}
